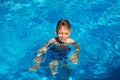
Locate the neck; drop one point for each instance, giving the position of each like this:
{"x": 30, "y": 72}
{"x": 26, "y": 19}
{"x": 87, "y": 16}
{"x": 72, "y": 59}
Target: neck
{"x": 58, "y": 40}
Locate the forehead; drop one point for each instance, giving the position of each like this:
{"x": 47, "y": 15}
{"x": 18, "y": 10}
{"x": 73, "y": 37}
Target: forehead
{"x": 63, "y": 28}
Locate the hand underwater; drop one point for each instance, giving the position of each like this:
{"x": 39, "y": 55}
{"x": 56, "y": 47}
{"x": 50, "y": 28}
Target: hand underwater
{"x": 74, "y": 59}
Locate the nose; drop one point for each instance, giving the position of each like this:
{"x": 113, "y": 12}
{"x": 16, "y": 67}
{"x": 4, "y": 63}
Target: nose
{"x": 63, "y": 35}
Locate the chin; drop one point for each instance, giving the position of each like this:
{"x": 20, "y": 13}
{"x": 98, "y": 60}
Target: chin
{"x": 63, "y": 40}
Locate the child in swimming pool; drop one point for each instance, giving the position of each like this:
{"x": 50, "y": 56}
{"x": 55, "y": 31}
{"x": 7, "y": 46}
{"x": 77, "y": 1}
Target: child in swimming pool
{"x": 58, "y": 48}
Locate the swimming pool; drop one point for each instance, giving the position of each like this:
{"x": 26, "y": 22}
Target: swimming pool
{"x": 26, "y": 25}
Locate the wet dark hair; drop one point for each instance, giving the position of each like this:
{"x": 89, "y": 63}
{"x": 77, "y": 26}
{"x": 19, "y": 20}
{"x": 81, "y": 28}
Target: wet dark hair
{"x": 64, "y": 23}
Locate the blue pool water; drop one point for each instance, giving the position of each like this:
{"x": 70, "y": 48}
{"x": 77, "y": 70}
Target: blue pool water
{"x": 25, "y": 25}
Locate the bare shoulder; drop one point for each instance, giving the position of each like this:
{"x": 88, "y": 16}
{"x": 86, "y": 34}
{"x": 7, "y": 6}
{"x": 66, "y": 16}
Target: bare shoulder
{"x": 70, "y": 40}
{"x": 51, "y": 40}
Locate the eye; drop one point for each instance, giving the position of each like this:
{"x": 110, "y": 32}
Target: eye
{"x": 60, "y": 33}
{"x": 66, "y": 33}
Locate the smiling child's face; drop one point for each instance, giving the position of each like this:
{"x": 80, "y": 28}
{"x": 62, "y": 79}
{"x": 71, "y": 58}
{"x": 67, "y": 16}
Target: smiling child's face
{"x": 63, "y": 34}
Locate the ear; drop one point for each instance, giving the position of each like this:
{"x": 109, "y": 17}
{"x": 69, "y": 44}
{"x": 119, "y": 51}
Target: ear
{"x": 55, "y": 32}
{"x": 70, "y": 33}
